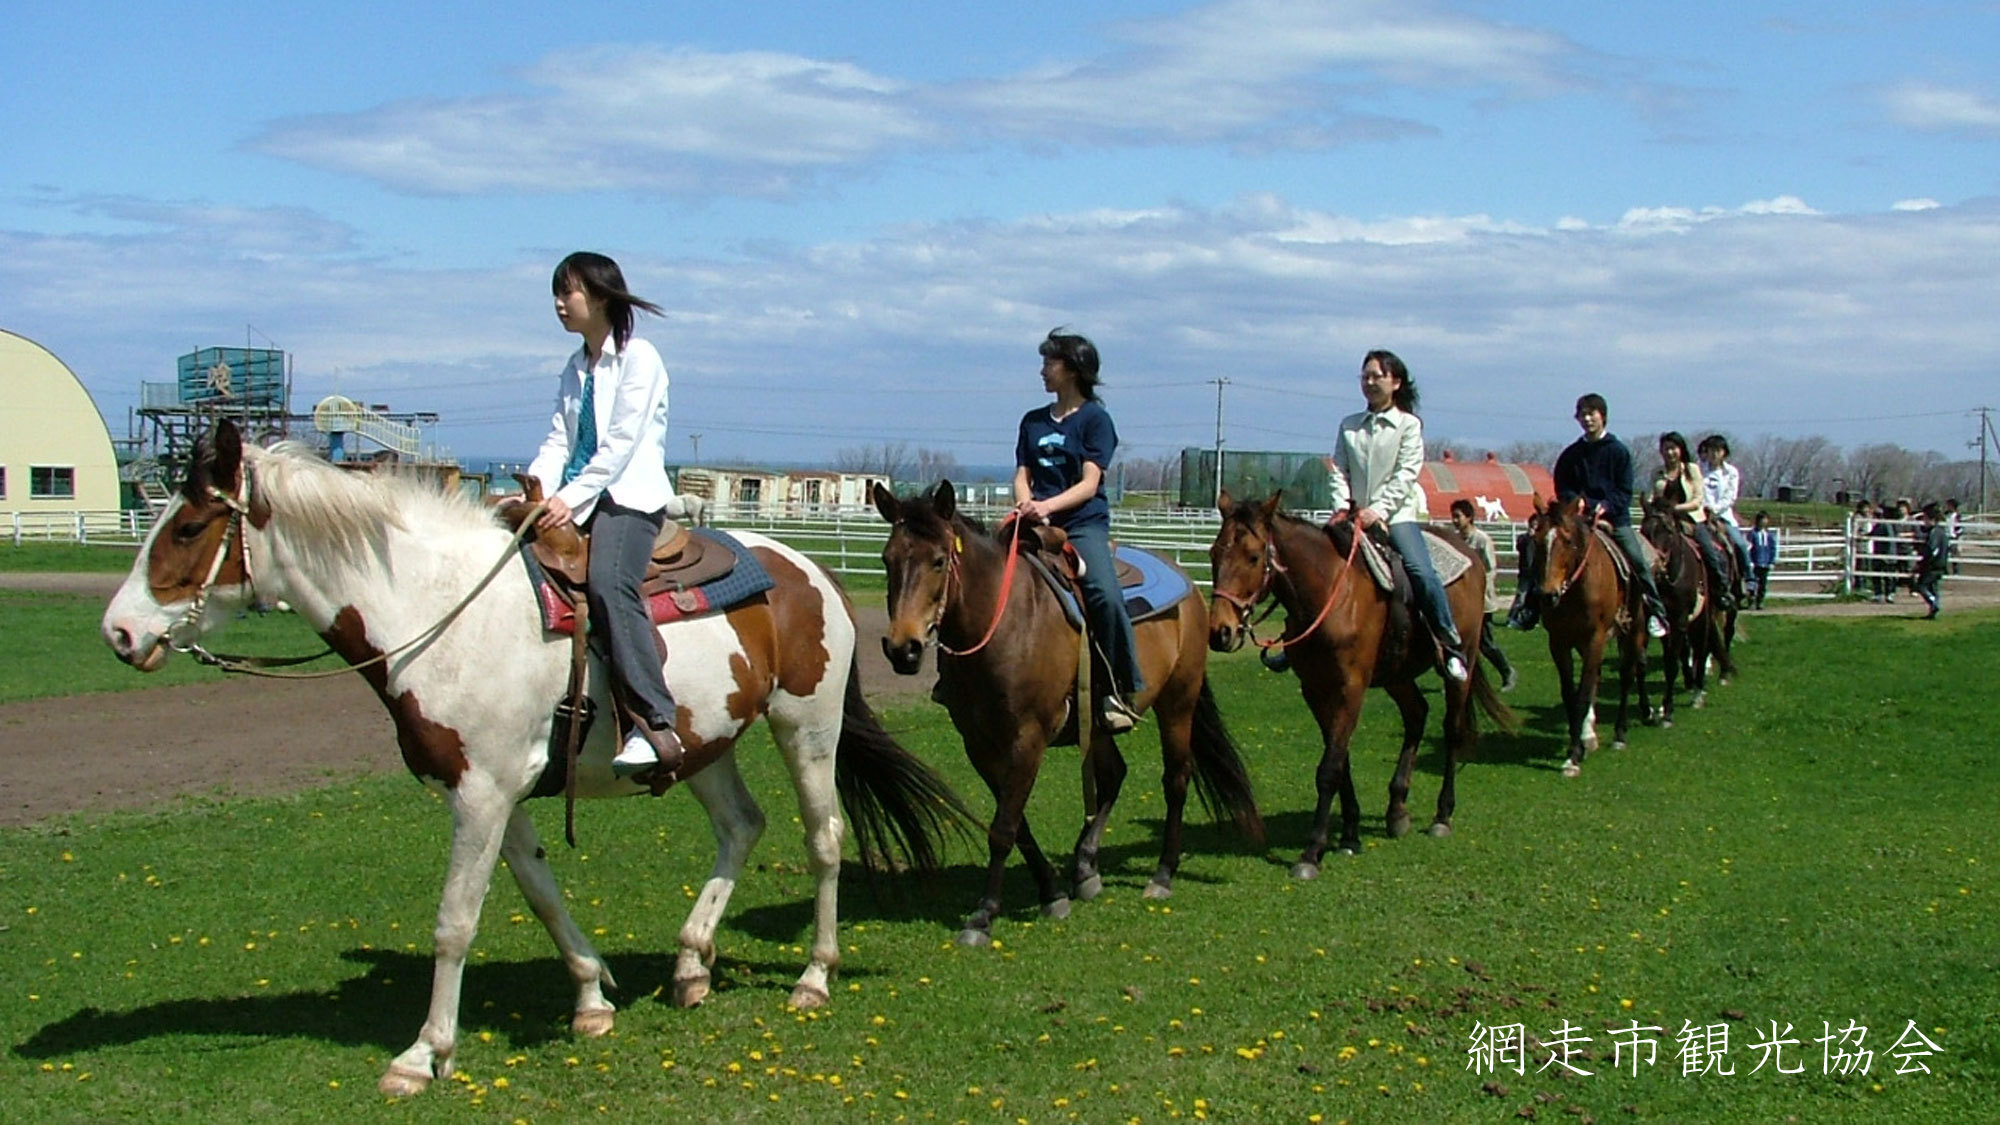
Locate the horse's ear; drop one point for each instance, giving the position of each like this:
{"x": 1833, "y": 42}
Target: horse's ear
{"x": 1274, "y": 505}
{"x": 1224, "y": 502}
{"x": 217, "y": 461}
{"x": 1541, "y": 505}
{"x": 885, "y": 501}
{"x": 945, "y": 499}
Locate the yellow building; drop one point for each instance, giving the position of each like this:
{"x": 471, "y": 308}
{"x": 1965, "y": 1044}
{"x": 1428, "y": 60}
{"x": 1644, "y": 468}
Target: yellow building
{"x": 55, "y": 451}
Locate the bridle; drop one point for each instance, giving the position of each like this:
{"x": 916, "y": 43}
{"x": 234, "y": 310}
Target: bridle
{"x": 953, "y": 575}
{"x": 1275, "y": 568}
{"x": 184, "y": 635}
{"x": 1582, "y": 558}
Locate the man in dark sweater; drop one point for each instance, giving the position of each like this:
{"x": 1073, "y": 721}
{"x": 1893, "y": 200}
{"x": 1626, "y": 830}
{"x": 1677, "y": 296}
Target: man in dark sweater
{"x": 1598, "y": 468}
{"x": 1933, "y": 555}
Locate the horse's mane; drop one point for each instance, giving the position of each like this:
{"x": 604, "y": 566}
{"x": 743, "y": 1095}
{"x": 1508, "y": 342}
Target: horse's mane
{"x": 1342, "y": 533}
{"x": 342, "y": 511}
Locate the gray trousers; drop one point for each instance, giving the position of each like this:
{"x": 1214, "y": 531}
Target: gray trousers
{"x": 621, "y": 544}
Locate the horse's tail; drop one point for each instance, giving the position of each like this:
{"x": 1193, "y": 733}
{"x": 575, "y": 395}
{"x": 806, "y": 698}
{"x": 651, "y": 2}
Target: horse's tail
{"x": 1220, "y": 779}
{"x": 1490, "y": 702}
{"x": 895, "y": 803}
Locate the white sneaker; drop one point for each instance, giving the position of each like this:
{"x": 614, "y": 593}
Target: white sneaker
{"x": 1656, "y": 627}
{"x": 1455, "y": 669}
{"x": 1116, "y": 716}
{"x": 635, "y": 756}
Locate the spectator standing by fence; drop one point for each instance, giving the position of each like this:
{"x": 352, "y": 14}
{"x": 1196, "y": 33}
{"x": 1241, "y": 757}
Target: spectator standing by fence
{"x": 1763, "y": 556}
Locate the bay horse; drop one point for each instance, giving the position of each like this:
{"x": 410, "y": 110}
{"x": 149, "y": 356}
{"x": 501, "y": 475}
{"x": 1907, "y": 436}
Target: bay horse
{"x": 1695, "y": 631}
{"x": 1585, "y": 605}
{"x": 1014, "y": 696}
{"x": 1338, "y": 639}
{"x": 370, "y": 559}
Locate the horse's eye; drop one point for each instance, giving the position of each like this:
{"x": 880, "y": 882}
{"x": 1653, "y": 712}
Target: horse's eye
{"x": 188, "y": 530}
{"x": 937, "y": 563}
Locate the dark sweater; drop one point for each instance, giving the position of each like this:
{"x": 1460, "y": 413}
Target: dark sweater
{"x": 1599, "y": 471}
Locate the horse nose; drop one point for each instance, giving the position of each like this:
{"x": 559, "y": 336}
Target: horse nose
{"x": 905, "y": 657}
{"x": 120, "y": 640}
{"x": 1225, "y": 638}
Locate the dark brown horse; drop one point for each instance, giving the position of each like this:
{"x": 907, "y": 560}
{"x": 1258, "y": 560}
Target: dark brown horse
{"x": 1586, "y": 604}
{"x": 1694, "y": 625}
{"x": 1340, "y": 643}
{"x": 1015, "y": 695}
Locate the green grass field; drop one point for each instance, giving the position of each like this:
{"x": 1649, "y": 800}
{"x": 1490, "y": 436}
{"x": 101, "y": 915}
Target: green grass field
{"x": 1808, "y": 851}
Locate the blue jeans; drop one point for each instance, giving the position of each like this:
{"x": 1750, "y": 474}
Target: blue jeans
{"x": 1431, "y": 599}
{"x": 1104, "y": 607}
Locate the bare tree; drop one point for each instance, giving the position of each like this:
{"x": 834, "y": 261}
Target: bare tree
{"x": 933, "y": 465}
{"x": 1882, "y": 471}
{"x": 890, "y": 458}
{"x": 1769, "y": 463}
{"x": 1152, "y": 474}
{"x": 1530, "y": 452}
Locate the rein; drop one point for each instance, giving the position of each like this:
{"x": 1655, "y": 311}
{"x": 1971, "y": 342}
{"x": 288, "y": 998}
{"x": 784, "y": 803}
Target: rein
{"x": 1272, "y": 569}
{"x": 1582, "y": 560}
{"x": 1006, "y": 588}
{"x": 239, "y": 506}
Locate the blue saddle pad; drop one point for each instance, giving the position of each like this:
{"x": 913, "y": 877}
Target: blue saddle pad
{"x": 1161, "y": 587}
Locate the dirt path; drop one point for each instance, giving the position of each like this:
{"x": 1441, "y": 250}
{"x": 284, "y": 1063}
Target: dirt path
{"x": 144, "y": 748}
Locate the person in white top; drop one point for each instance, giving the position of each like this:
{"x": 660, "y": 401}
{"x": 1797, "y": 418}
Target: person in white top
{"x": 1720, "y": 484}
{"x": 1376, "y": 458}
{"x": 604, "y": 465}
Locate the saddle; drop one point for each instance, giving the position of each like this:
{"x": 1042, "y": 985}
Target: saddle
{"x": 680, "y": 561}
{"x": 1049, "y": 545}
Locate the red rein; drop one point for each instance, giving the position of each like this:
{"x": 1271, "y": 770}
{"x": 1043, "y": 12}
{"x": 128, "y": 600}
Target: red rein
{"x": 1006, "y": 588}
{"x": 1339, "y": 584}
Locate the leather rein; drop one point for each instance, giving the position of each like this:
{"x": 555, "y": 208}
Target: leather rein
{"x": 1246, "y": 608}
{"x": 953, "y": 574}
{"x": 184, "y": 635}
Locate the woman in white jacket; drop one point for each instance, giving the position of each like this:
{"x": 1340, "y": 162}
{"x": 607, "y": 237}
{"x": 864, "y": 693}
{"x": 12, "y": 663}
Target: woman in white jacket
{"x": 603, "y": 465}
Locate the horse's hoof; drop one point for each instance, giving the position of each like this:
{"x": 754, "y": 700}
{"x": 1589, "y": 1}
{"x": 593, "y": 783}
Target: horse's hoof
{"x": 1618, "y": 744}
{"x": 1057, "y": 908}
{"x": 1440, "y": 830}
{"x": 401, "y": 1082}
{"x": 1399, "y": 827}
{"x": 1087, "y": 889}
{"x": 1589, "y": 745}
{"x": 1572, "y": 769}
{"x": 1305, "y": 872}
{"x": 808, "y": 997}
{"x": 1156, "y": 890}
{"x": 974, "y": 939}
{"x": 1700, "y": 700}
{"x": 593, "y": 1023}
{"x": 1348, "y": 850}
{"x": 691, "y": 992}
{"x": 1666, "y": 724}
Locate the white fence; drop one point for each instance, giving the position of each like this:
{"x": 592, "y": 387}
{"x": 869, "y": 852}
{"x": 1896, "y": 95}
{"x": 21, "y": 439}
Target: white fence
{"x": 1812, "y": 563}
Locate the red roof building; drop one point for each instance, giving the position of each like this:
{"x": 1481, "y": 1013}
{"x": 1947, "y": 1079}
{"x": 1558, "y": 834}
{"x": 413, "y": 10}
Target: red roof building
{"x": 1497, "y": 489}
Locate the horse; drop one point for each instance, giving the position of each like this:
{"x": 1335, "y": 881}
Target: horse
{"x": 369, "y": 560}
{"x": 1695, "y": 631}
{"x": 1014, "y": 695}
{"x": 1338, "y": 639}
{"x": 1586, "y": 603}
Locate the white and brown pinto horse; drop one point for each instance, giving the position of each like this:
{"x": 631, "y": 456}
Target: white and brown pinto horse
{"x": 372, "y": 561}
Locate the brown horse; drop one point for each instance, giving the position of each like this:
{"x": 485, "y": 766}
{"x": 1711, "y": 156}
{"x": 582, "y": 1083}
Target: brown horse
{"x": 1585, "y": 604}
{"x": 1340, "y": 643}
{"x": 1695, "y": 630}
{"x": 1015, "y": 695}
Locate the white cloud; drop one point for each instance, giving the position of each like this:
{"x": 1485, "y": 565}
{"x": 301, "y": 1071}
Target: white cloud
{"x": 1250, "y": 74}
{"x": 1761, "y": 318}
{"x": 1943, "y": 109}
{"x": 1915, "y": 205}
{"x": 682, "y": 121}
{"x": 1268, "y": 74}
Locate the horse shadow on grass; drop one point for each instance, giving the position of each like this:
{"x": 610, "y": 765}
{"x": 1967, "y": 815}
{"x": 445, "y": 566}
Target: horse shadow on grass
{"x": 525, "y": 1002}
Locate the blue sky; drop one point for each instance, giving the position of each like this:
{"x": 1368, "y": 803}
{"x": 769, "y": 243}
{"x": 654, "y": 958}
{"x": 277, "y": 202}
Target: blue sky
{"x": 1757, "y": 217}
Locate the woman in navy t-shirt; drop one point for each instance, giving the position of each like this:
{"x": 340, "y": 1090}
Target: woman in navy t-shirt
{"x": 1060, "y": 459}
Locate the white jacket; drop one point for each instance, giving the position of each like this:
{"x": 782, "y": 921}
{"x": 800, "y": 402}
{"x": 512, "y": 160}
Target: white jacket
{"x": 631, "y": 414}
{"x": 1375, "y": 463}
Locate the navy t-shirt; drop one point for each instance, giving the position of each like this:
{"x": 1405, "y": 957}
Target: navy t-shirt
{"x": 1054, "y": 454}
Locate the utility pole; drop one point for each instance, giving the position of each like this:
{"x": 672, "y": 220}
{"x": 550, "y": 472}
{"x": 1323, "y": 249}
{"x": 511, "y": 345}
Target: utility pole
{"x": 1985, "y": 430}
{"x": 1220, "y": 383}
{"x": 695, "y": 439}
